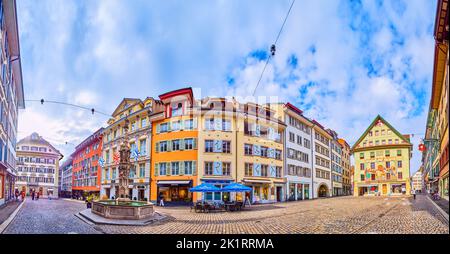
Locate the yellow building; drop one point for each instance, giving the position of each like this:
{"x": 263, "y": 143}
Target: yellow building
{"x": 260, "y": 137}
{"x": 347, "y": 186}
{"x": 241, "y": 143}
{"x": 382, "y": 161}
{"x": 217, "y": 149}
{"x": 138, "y": 113}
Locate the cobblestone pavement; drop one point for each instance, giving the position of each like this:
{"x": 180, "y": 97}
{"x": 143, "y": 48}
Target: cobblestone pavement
{"x": 340, "y": 215}
{"x": 335, "y": 215}
{"x": 7, "y": 209}
{"x": 49, "y": 217}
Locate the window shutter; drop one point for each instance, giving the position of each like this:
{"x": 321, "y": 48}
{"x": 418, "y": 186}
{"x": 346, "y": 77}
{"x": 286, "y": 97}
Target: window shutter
{"x": 194, "y": 123}
{"x": 181, "y": 124}
{"x": 168, "y": 169}
{"x": 194, "y": 168}
{"x": 169, "y": 126}
{"x": 169, "y": 145}
{"x": 181, "y": 165}
{"x": 157, "y": 147}
{"x": 194, "y": 143}
{"x": 156, "y": 173}
{"x": 181, "y": 144}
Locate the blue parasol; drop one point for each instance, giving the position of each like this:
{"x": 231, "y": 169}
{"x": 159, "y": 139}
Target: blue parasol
{"x": 204, "y": 187}
{"x": 236, "y": 187}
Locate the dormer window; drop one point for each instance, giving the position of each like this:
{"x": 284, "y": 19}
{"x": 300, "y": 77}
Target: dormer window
{"x": 177, "y": 110}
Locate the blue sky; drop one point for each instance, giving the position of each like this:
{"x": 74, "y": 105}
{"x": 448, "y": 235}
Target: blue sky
{"x": 342, "y": 62}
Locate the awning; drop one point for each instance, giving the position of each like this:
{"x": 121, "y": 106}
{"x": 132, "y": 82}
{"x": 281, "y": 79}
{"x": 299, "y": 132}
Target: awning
{"x": 106, "y": 186}
{"x": 173, "y": 182}
{"x": 50, "y": 189}
{"x": 256, "y": 181}
{"x": 367, "y": 185}
{"x": 214, "y": 180}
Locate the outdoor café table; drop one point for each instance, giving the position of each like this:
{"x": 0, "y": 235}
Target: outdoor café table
{"x": 230, "y": 206}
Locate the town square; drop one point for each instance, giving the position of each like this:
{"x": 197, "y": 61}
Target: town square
{"x": 343, "y": 215}
{"x": 147, "y": 117}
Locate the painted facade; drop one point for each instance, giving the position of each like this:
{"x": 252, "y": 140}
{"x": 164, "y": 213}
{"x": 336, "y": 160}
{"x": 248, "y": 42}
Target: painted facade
{"x": 260, "y": 148}
{"x": 138, "y": 113}
{"x": 382, "y": 161}
{"x": 346, "y": 167}
{"x": 175, "y": 148}
{"x": 11, "y": 97}
{"x": 435, "y": 159}
{"x": 38, "y": 166}
{"x": 86, "y": 172}
{"x": 217, "y": 146}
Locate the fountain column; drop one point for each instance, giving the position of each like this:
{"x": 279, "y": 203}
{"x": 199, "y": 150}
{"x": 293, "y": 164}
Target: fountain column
{"x": 124, "y": 166}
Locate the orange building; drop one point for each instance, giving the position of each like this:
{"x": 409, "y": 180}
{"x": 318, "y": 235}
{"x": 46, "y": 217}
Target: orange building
{"x": 174, "y": 148}
{"x": 86, "y": 171}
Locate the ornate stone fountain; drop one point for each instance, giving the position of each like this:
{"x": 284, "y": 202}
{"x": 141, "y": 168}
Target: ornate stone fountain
{"x": 123, "y": 207}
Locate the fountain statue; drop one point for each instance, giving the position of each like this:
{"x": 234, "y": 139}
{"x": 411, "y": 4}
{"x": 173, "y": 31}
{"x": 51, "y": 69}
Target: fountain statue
{"x": 123, "y": 208}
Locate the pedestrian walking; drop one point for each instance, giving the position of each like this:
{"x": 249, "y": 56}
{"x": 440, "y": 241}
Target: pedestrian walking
{"x": 32, "y": 194}
{"x": 413, "y": 192}
{"x": 16, "y": 193}
{"x": 37, "y": 196}
{"x": 161, "y": 199}
{"x": 23, "y": 195}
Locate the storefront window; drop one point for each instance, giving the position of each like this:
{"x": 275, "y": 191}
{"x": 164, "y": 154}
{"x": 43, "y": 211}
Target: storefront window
{"x": 396, "y": 188}
{"x": 256, "y": 193}
{"x": 291, "y": 191}
{"x": 299, "y": 191}
{"x": 266, "y": 193}
{"x": 306, "y": 191}
{"x": 445, "y": 186}
{"x": 217, "y": 195}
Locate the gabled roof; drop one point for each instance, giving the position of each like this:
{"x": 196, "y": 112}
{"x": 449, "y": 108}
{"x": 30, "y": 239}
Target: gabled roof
{"x": 373, "y": 124}
{"x": 131, "y": 101}
{"x": 177, "y": 92}
{"x": 34, "y": 138}
{"x": 294, "y": 108}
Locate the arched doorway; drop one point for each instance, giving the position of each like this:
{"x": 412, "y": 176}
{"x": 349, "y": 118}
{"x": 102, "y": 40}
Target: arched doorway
{"x": 322, "y": 191}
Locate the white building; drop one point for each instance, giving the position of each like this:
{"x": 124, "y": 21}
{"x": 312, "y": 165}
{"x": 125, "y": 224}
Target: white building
{"x": 298, "y": 158}
{"x": 38, "y": 166}
{"x": 322, "y": 166}
{"x": 417, "y": 181}
{"x": 66, "y": 179}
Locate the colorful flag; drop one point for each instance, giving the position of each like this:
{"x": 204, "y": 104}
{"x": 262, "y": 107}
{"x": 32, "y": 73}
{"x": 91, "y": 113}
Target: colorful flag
{"x": 101, "y": 162}
{"x": 116, "y": 158}
{"x": 135, "y": 153}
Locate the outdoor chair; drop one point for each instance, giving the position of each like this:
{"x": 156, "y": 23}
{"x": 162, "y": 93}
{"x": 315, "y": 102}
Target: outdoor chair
{"x": 197, "y": 206}
{"x": 207, "y": 207}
